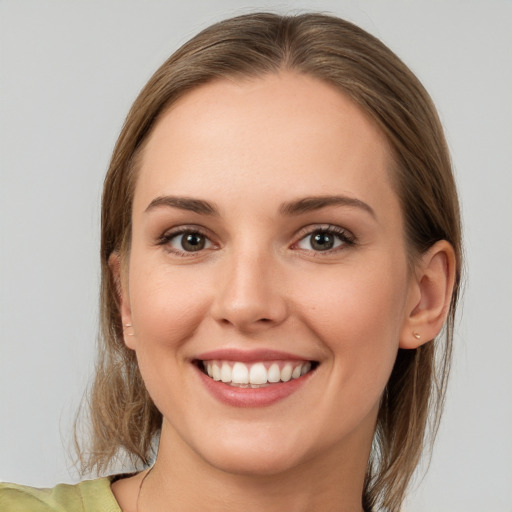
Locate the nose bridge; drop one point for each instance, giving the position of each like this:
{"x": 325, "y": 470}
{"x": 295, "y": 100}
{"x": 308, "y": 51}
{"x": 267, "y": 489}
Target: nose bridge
{"x": 249, "y": 293}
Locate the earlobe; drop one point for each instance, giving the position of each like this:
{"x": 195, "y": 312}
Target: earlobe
{"x": 430, "y": 300}
{"x": 123, "y": 303}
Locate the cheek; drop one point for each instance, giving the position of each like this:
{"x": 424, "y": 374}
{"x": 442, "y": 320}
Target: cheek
{"x": 166, "y": 309}
{"x": 358, "y": 317}
{"x": 359, "y": 300}
{"x": 166, "y": 304}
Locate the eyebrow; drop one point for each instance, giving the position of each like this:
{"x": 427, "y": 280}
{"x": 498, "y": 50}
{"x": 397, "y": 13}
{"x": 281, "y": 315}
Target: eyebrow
{"x": 297, "y": 207}
{"x": 184, "y": 203}
{"x": 308, "y": 204}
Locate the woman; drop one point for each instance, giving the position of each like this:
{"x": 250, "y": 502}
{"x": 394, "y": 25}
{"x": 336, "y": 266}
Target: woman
{"x": 280, "y": 251}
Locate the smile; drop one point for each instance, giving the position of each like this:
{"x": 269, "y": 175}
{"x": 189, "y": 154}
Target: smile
{"x": 256, "y": 374}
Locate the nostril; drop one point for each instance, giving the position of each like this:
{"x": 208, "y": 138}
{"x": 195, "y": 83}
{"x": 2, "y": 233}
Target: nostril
{"x": 226, "y": 321}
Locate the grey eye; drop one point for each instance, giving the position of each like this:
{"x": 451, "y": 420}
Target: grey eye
{"x": 321, "y": 241}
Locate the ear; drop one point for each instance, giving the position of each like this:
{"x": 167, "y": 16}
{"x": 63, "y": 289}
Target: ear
{"x": 430, "y": 296}
{"x": 123, "y": 298}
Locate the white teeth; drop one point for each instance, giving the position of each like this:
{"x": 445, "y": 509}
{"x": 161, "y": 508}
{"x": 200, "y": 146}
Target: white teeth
{"x": 225, "y": 372}
{"x": 256, "y": 374}
{"x": 296, "y": 372}
{"x": 305, "y": 368}
{"x": 274, "y": 373}
{"x": 240, "y": 374}
{"x": 286, "y": 372}
{"x": 215, "y": 371}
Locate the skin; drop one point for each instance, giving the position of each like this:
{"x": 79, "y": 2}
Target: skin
{"x": 248, "y": 147}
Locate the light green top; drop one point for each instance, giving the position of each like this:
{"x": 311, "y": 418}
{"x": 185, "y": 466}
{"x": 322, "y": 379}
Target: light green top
{"x": 87, "y": 496}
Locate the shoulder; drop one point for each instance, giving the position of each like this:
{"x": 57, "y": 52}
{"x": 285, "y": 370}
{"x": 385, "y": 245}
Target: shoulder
{"x": 87, "y": 496}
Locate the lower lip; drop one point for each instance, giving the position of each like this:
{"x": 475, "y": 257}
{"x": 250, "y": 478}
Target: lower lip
{"x": 252, "y": 397}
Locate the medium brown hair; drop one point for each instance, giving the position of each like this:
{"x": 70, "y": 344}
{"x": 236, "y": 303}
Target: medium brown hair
{"x": 123, "y": 416}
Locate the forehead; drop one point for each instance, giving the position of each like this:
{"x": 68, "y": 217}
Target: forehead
{"x": 287, "y": 134}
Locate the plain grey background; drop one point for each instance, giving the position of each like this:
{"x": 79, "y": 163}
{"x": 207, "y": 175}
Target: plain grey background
{"x": 69, "y": 71}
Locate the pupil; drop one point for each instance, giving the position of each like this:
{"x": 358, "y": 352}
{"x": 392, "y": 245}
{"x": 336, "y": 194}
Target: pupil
{"x": 192, "y": 242}
{"x": 322, "y": 241}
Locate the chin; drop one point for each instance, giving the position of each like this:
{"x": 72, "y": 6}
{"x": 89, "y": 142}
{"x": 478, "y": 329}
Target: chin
{"x": 261, "y": 450}
{"x": 256, "y": 463}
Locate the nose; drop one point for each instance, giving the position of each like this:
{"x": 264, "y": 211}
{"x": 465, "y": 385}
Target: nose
{"x": 250, "y": 295}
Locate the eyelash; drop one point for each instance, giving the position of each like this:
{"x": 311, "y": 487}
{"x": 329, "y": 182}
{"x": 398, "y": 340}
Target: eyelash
{"x": 344, "y": 236}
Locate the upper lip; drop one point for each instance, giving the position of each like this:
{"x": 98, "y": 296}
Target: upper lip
{"x": 233, "y": 354}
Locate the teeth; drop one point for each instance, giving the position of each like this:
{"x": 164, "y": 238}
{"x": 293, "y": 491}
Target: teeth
{"x": 286, "y": 372}
{"x": 296, "y": 372}
{"x": 225, "y": 372}
{"x": 274, "y": 373}
{"x": 305, "y": 368}
{"x": 258, "y": 374}
{"x": 255, "y": 375}
{"x": 216, "y": 371}
{"x": 239, "y": 374}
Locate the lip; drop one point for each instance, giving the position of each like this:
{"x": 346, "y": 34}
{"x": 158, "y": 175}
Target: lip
{"x": 251, "y": 397}
{"x": 233, "y": 354}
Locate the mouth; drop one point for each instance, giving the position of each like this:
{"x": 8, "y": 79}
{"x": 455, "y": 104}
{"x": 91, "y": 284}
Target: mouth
{"x": 255, "y": 374}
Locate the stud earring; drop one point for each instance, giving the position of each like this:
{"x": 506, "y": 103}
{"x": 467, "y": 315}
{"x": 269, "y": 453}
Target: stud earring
{"x": 416, "y": 335}
{"x": 128, "y": 326}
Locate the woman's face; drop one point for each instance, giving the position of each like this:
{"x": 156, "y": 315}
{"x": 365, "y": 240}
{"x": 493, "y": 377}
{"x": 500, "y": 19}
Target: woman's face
{"x": 267, "y": 243}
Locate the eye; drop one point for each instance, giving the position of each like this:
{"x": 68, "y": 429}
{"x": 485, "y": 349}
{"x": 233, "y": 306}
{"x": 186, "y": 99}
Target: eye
{"x": 186, "y": 241}
{"x": 326, "y": 239}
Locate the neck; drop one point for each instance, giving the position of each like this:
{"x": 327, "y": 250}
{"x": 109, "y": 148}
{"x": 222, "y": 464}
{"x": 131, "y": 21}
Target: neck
{"x": 182, "y": 481}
